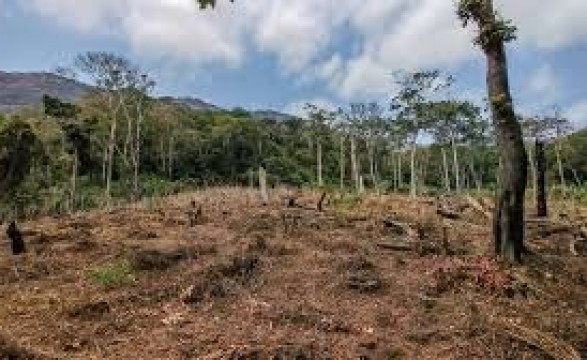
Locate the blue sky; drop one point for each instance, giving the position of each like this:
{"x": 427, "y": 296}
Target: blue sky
{"x": 280, "y": 54}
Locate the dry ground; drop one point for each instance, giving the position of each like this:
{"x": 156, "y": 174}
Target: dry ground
{"x": 268, "y": 282}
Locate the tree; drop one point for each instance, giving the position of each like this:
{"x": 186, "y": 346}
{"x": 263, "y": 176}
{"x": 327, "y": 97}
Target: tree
{"x": 125, "y": 89}
{"x": 320, "y": 121}
{"x": 409, "y": 105}
{"x": 75, "y": 135}
{"x": 492, "y": 34}
{"x": 19, "y": 148}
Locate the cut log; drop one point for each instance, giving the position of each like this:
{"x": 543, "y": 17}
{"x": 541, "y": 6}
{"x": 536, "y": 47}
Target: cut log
{"x": 475, "y": 204}
{"x": 395, "y": 246}
{"x": 400, "y": 229}
{"x": 447, "y": 213}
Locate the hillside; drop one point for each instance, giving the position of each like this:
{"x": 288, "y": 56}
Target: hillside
{"x": 19, "y": 89}
{"x": 373, "y": 278}
{"x": 22, "y": 89}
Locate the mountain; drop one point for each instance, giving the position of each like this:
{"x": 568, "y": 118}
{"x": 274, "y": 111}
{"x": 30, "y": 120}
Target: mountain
{"x": 192, "y": 103}
{"x": 22, "y": 89}
{"x": 272, "y": 115}
{"x": 19, "y": 89}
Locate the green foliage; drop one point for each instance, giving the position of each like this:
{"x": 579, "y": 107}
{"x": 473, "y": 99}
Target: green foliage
{"x": 492, "y": 28}
{"x": 113, "y": 275}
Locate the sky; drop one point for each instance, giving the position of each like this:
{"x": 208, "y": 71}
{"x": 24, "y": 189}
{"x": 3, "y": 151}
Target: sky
{"x": 281, "y": 54}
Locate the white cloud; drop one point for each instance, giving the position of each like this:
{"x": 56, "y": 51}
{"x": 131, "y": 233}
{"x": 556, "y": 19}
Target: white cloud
{"x": 298, "y": 108}
{"x": 302, "y": 34}
{"x": 577, "y": 114}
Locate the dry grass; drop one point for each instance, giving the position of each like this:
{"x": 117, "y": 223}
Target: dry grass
{"x": 248, "y": 282}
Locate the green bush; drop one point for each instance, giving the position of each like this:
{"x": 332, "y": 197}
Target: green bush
{"x": 113, "y": 275}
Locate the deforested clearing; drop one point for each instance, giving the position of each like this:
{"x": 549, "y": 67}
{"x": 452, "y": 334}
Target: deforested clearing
{"x": 374, "y": 277}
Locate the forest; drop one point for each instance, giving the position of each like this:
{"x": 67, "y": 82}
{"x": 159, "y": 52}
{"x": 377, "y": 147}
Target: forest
{"x": 120, "y": 143}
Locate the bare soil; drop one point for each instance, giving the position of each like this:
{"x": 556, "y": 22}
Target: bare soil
{"x": 385, "y": 277}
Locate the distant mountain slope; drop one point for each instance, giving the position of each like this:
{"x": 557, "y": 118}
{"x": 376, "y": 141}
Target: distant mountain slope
{"x": 192, "y": 103}
{"x": 21, "y": 89}
{"x": 272, "y": 115}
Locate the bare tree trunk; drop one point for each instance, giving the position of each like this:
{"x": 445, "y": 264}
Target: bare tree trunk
{"x": 73, "y": 190}
{"x": 354, "y": 162}
{"x": 456, "y": 166}
{"x": 110, "y": 161}
{"x": 509, "y": 210}
{"x": 400, "y": 170}
{"x": 533, "y": 171}
{"x": 137, "y": 151}
{"x": 371, "y": 155}
{"x": 263, "y": 185}
{"x": 540, "y": 193}
{"x": 104, "y": 164}
{"x": 413, "y": 175}
{"x": 342, "y": 163}
{"x": 394, "y": 165}
{"x": 559, "y": 162}
{"x": 170, "y": 151}
{"x": 319, "y": 162}
{"x": 445, "y": 168}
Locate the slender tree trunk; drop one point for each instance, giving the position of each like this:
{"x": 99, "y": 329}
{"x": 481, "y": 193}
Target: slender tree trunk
{"x": 413, "y": 175}
{"x": 445, "y": 168}
{"x": 104, "y": 163}
{"x": 394, "y": 166}
{"x": 263, "y": 185}
{"x": 541, "y": 196}
{"x": 319, "y": 162}
{"x": 400, "y": 170}
{"x": 74, "y": 171}
{"x": 559, "y": 162}
{"x": 371, "y": 155}
{"x": 342, "y": 163}
{"x": 533, "y": 171}
{"x": 354, "y": 162}
{"x": 110, "y": 161}
{"x": 137, "y": 152}
{"x": 456, "y": 165}
{"x": 170, "y": 150}
{"x": 509, "y": 210}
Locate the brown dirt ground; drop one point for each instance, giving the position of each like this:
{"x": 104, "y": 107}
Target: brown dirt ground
{"x": 268, "y": 282}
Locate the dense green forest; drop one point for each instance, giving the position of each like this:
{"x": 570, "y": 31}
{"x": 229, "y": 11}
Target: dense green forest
{"x": 119, "y": 143}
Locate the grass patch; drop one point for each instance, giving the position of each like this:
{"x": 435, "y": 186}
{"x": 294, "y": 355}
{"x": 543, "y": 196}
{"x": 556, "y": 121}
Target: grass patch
{"x": 113, "y": 275}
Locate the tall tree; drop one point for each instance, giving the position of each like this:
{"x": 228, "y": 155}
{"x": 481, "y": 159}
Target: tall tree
{"x": 493, "y": 32}
{"x": 408, "y": 104}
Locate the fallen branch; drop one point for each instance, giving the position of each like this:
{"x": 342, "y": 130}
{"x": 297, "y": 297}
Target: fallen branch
{"x": 572, "y": 247}
{"x": 395, "y": 246}
{"x": 401, "y": 229}
{"x": 556, "y": 348}
{"x": 475, "y": 204}
{"x": 446, "y": 213}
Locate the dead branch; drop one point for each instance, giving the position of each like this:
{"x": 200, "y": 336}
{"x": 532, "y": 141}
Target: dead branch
{"x": 475, "y": 204}
{"x": 556, "y": 348}
{"x": 399, "y": 228}
{"x": 447, "y": 213}
{"x": 395, "y": 246}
